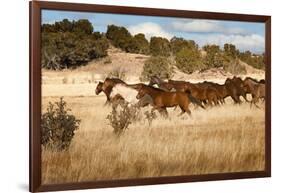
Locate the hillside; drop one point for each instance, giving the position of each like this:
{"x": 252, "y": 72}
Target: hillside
{"x": 131, "y": 65}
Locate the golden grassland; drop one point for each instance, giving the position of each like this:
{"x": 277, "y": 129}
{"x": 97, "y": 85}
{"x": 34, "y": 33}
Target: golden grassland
{"x": 228, "y": 138}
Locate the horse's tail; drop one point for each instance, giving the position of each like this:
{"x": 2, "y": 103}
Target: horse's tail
{"x": 193, "y": 99}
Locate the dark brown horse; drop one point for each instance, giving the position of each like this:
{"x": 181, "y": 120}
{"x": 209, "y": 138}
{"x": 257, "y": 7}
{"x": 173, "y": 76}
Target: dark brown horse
{"x": 255, "y": 88}
{"x": 163, "y": 99}
{"x": 221, "y": 90}
{"x": 235, "y": 89}
{"x": 166, "y": 86}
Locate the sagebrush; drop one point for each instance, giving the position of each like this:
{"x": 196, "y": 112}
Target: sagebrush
{"x": 58, "y": 126}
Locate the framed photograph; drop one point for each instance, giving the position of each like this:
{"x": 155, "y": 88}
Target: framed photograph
{"x": 124, "y": 96}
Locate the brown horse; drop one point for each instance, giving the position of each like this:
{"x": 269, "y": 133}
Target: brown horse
{"x": 201, "y": 91}
{"x": 166, "y": 86}
{"x": 107, "y": 86}
{"x": 162, "y": 99}
{"x": 255, "y": 88}
{"x": 221, "y": 90}
{"x": 235, "y": 89}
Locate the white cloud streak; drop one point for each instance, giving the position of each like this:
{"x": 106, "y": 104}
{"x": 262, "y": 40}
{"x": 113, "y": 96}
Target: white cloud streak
{"x": 149, "y": 29}
{"x": 206, "y": 26}
{"x": 253, "y": 42}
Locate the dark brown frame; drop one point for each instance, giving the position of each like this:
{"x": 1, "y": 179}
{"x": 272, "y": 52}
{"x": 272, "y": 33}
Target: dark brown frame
{"x": 35, "y": 8}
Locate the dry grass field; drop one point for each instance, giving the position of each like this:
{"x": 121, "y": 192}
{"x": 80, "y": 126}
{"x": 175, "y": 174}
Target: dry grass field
{"x": 228, "y": 138}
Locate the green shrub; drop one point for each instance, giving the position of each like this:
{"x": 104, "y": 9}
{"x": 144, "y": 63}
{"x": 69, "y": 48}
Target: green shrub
{"x": 189, "y": 60}
{"x": 70, "y": 50}
{"x": 121, "y": 116}
{"x": 58, "y": 126}
{"x": 214, "y": 57}
{"x": 177, "y": 44}
{"x": 159, "y": 46}
{"x": 230, "y": 51}
{"x": 138, "y": 44}
{"x": 157, "y": 66}
{"x": 82, "y": 26}
{"x": 67, "y": 44}
{"x": 120, "y": 37}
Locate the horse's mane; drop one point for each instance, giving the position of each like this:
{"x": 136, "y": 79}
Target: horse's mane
{"x": 117, "y": 80}
{"x": 159, "y": 79}
{"x": 252, "y": 79}
{"x": 152, "y": 87}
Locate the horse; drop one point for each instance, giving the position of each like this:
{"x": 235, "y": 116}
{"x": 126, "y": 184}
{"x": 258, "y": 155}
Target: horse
{"x": 220, "y": 89}
{"x": 107, "y": 86}
{"x": 163, "y": 99}
{"x": 166, "y": 86}
{"x": 255, "y": 88}
{"x": 201, "y": 91}
{"x": 235, "y": 89}
{"x": 128, "y": 93}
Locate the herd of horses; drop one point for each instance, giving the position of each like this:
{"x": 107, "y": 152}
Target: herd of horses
{"x": 162, "y": 94}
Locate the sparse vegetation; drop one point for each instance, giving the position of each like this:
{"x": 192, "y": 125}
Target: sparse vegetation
{"x": 58, "y": 126}
{"x": 256, "y": 61}
{"x": 233, "y": 66}
{"x": 70, "y": 44}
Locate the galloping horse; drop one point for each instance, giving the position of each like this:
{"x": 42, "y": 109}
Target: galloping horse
{"x": 163, "y": 99}
{"x": 128, "y": 93}
{"x": 255, "y": 88}
{"x": 107, "y": 86}
{"x": 201, "y": 91}
{"x": 235, "y": 89}
{"x": 166, "y": 86}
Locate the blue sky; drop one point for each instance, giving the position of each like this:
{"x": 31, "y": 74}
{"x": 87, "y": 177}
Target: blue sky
{"x": 245, "y": 35}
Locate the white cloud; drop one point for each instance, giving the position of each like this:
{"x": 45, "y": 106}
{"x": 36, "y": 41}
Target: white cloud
{"x": 149, "y": 29}
{"x": 205, "y": 26}
{"x": 253, "y": 42}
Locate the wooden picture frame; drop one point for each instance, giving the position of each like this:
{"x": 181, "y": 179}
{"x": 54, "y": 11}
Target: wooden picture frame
{"x": 36, "y": 102}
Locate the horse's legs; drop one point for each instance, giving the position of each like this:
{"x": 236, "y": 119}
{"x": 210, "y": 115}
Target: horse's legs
{"x": 245, "y": 97}
{"x": 254, "y": 101}
{"x": 163, "y": 111}
{"x": 107, "y": 102}
{"x": 185, "y": 109}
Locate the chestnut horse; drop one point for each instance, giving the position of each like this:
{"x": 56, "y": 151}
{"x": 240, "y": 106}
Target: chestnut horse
{"x": 107, "y": 86}
{"x": 163, "y": 99}
{"x": 201, "y": 91}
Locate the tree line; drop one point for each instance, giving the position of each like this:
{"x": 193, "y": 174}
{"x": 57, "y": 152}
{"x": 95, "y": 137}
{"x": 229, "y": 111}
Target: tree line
{"x": 70, "y": 44}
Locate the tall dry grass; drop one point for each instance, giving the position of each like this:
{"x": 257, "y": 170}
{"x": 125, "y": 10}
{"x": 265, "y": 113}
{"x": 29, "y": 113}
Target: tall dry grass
{"x": 229, "y": 138}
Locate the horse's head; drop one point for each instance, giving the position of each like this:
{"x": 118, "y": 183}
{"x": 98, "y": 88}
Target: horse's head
{"x": 141, "y": 93}
{"x": 99, "y": 88}
{"x": 153, "y": 81}
{"x": 247, "y": 84}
